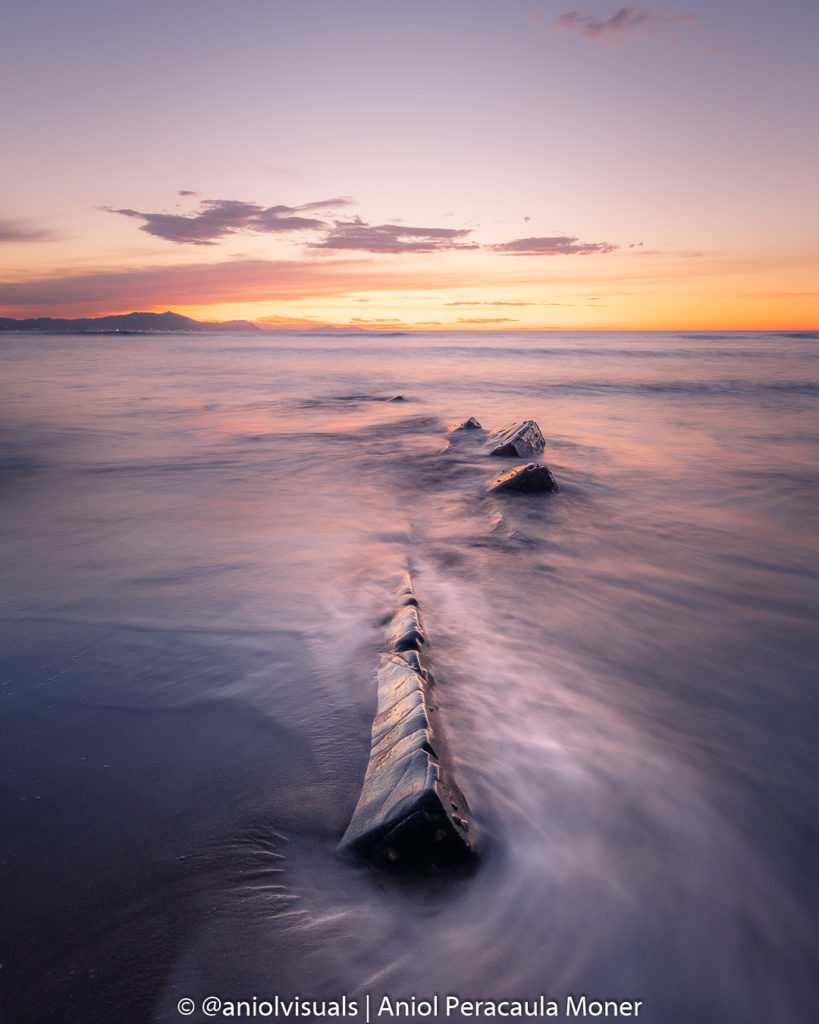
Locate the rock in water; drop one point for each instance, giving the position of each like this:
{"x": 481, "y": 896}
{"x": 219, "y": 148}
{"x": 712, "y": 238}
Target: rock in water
{"x": 410, "y": 813}
{"x": 470, "y": 424}
{"x": 517, "y": 440}
{"x": 528, "y": 479}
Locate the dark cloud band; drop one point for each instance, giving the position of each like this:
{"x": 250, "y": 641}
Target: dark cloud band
{"x": 624, "y": 22}
{"x": 392, "y": 238}
{"x": 558, "y": 245}
{"x": 218, "y": 218}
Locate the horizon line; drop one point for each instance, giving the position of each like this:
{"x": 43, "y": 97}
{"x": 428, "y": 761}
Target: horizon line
{"x": 375, "y": 330}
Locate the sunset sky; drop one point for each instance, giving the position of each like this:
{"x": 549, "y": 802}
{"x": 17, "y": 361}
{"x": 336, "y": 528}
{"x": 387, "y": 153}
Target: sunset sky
{"x": 439, "y": 163}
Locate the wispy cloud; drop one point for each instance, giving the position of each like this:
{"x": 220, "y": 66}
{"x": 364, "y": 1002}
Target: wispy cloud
{"x": 203, "y": 284}
{"x": 218, "y": 218}
{"x": 558, "y": 245}
{"x": 624, "y": 23}
{"x": 486, "y": 320}
{"x": 392, "y": 238}
{"x": 298, "y": 322}
{"x": 15, "y": 231}
{"x": 260, "y": 282}
{"x": 376, "y": 320}
{"x": 473, "y": 304}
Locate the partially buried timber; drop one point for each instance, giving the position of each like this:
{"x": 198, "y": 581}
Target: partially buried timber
{"x": 410, "y": 813}
{"x": 404, "y": 631}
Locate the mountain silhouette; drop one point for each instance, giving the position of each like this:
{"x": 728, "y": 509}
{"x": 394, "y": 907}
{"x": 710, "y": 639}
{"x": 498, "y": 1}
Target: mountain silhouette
{"x": 136, "y": 323}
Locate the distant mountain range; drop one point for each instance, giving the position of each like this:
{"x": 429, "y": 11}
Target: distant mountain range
{"x": 129, "y": 323}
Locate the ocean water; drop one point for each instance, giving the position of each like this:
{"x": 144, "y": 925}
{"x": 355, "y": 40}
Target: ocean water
{"x": 200, "y": 538}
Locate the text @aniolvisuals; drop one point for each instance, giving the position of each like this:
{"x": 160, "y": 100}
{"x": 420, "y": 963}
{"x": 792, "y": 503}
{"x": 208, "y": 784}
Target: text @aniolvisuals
{"x": 367, "y": 1008}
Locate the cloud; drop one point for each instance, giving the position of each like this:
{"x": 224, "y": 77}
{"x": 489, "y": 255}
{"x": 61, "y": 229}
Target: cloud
{"x": 486, "y": 320}
{"x": 249, "y": 280}
{"x": 14, "y": 231}
{"x": 377, "y": 320}
{"x": 203, "y": 284}
{"x": 218, "y": 218}
{"x": 559, "y": 245}
{"x": 325, "y": 204}
{"x": 392, "y": 238}
{"x": 303, "y": 322}
{"x": 492, "y": 303}
{"x": 185, "y": 284}
{"x": 627, "y": 21}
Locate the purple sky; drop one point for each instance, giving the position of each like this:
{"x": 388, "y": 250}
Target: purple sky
{"x": 584, "y": 166}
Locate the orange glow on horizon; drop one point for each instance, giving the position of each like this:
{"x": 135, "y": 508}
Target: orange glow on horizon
{"x": 447, "y": 292}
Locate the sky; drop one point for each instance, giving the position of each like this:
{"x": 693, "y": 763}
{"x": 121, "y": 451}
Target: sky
{"x": 439, "y": 164}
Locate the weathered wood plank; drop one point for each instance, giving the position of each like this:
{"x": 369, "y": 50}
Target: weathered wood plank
{"x": 410, "y": 812}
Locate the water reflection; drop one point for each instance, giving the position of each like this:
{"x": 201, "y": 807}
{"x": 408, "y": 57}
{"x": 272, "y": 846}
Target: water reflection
{"x": 624, "y": 666}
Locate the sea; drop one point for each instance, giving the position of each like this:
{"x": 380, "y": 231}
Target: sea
{"x": 201, "y": 538}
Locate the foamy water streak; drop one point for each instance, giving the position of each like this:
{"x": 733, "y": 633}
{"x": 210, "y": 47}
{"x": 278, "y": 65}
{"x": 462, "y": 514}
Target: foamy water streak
{"x": 201, "y": 538}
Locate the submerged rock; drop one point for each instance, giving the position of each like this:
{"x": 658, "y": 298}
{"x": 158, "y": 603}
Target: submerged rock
{"x": 496, "y": 521}
{"x": 517, "y": 440}
{"x": 410, "y": 813}
{"x": 528, "y": 479}
{"x": 470, "y": 424}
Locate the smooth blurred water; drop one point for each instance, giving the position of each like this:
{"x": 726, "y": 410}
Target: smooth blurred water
{"x": 200, "y": 538}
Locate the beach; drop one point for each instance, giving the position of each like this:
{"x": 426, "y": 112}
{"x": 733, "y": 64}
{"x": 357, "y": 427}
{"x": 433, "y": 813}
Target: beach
{"x": 201, "y": 539}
